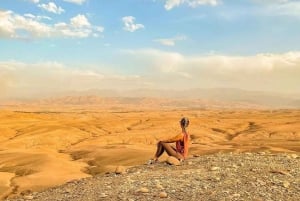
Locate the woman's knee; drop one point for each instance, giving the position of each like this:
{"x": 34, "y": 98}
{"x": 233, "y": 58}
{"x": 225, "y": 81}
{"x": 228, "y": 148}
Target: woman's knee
{"x": 164, "y": 144}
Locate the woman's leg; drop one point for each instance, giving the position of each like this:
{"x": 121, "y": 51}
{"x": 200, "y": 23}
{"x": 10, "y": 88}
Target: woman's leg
{"x": 160, "y": 150}
{"x": 171, "y": 151}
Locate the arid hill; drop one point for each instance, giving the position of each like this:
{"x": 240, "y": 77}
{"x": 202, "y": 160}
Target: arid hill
{"x": 44, "y": 145}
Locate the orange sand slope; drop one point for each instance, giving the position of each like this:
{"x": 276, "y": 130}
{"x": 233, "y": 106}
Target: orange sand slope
{"x": 40, "y": 148}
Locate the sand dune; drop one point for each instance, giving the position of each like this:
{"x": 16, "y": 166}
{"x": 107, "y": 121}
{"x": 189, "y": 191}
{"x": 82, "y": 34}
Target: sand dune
{"x": 42, "y": 147}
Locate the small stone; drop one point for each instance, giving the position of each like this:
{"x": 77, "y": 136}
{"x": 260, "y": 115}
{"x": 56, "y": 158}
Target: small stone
{"x": 143, "y": 190}
{"x": 163, "y": 195}
{"x": 261, "y": 182}
{"x": 190, "y": 163}
{"x": 103, "y": 195}
{"x": 236, "y": 195}
{"x": 28, "y": 197}
{"x": 286, "y": 184}
{"x": 173, "y": 161}
{"x": 294, "y": 156}
{"x": 68, "y": 190}
{"x": 235, "y": 166}
{"x": 214, "y": 168}
{"x": 120, "y": 170}
{"x": 157, "y": 181}
{"x": 159, "y": 186}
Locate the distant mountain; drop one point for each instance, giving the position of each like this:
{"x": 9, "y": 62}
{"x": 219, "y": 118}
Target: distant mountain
{"x": 192, "y": 98}
{"x": 226, "y": 95}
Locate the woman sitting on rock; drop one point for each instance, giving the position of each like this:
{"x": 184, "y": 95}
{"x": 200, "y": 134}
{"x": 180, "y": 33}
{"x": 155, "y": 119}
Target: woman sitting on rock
{"x": 181, "y": 140}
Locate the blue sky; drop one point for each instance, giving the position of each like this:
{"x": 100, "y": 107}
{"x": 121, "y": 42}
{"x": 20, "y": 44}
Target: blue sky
{"x": 141, "y": 42}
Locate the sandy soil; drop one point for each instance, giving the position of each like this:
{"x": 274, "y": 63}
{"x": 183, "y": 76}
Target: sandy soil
{"x": 217, "y": 177}
{"x": 40, "y": 148}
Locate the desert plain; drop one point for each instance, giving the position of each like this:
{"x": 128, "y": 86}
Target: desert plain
{"x": 42, "y": 147}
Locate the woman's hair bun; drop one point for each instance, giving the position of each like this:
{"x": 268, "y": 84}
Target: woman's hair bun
{"x": 184, "y": 122}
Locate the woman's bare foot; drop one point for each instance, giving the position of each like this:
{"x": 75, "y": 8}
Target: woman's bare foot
{"x": 153, "y": 160}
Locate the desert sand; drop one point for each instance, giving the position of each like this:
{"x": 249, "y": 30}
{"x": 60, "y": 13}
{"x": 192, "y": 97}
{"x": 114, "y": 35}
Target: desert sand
{"x": 42, "y": 147}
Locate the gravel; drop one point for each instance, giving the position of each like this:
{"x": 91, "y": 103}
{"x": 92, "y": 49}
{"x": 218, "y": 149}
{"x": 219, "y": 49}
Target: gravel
{"x": 221, "y": 177}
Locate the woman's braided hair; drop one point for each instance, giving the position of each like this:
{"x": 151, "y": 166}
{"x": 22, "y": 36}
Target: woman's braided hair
{"x": 184, "y": 122}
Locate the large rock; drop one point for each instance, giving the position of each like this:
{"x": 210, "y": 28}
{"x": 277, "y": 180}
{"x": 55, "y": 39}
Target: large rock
{"x": 173, "y": 161}
{"x": 120, "y": 170}
{"x": 163, "y": 195}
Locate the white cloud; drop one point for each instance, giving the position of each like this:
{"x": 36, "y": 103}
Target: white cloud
{"x": 79, "y": 2}
{"x": 52, "y": 7}
{"x": 195, "y": 3}
{"x": 28, "y": 80}
{"x": 37, "y": 17}
{"x": 280, "y": 7}
{"x": 11, "y": 24}
{"x": 28, "y": 26}
{"x": 170, "y": 4}
{"x": 157, "y": 69}
{"x": 170, "y": 41}
{"x": 6, "y": 26}
{"x": 286, "y": 8}
{"x": 99, "y": 28}
{"x": 129, "y": 24}
{"x": 80, "y": 21}
{"x": 271, "y": 72}
{"x": 35, "y": 1}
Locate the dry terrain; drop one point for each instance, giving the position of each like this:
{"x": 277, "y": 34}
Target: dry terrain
{"x": 42, "y": 147}
{"x": 261, "y": 176}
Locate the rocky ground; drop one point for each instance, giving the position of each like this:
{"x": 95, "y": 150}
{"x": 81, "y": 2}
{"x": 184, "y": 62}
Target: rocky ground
{"x": 225, "y": 176}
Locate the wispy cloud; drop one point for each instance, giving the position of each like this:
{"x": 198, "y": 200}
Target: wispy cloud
{"x": 79, "y": 2}
{"x": 280, "y": 7}
{"x": 52, "y": 7}
{"x": 170, "y": 41}
{"x": 170, "y": 4}
{"x": 37, "y": 17}
{"x": 34, "y": 1}
{"x": 28, "y": 26}
{"x": 287, "y": 8}
{"x": 130, "y": 25}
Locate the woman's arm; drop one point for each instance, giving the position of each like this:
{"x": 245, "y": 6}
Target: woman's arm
{"x": 174, "y": 139}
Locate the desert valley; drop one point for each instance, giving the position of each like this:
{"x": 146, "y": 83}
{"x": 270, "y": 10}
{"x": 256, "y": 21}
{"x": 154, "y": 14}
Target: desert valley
{"x": 45, "y": 144}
